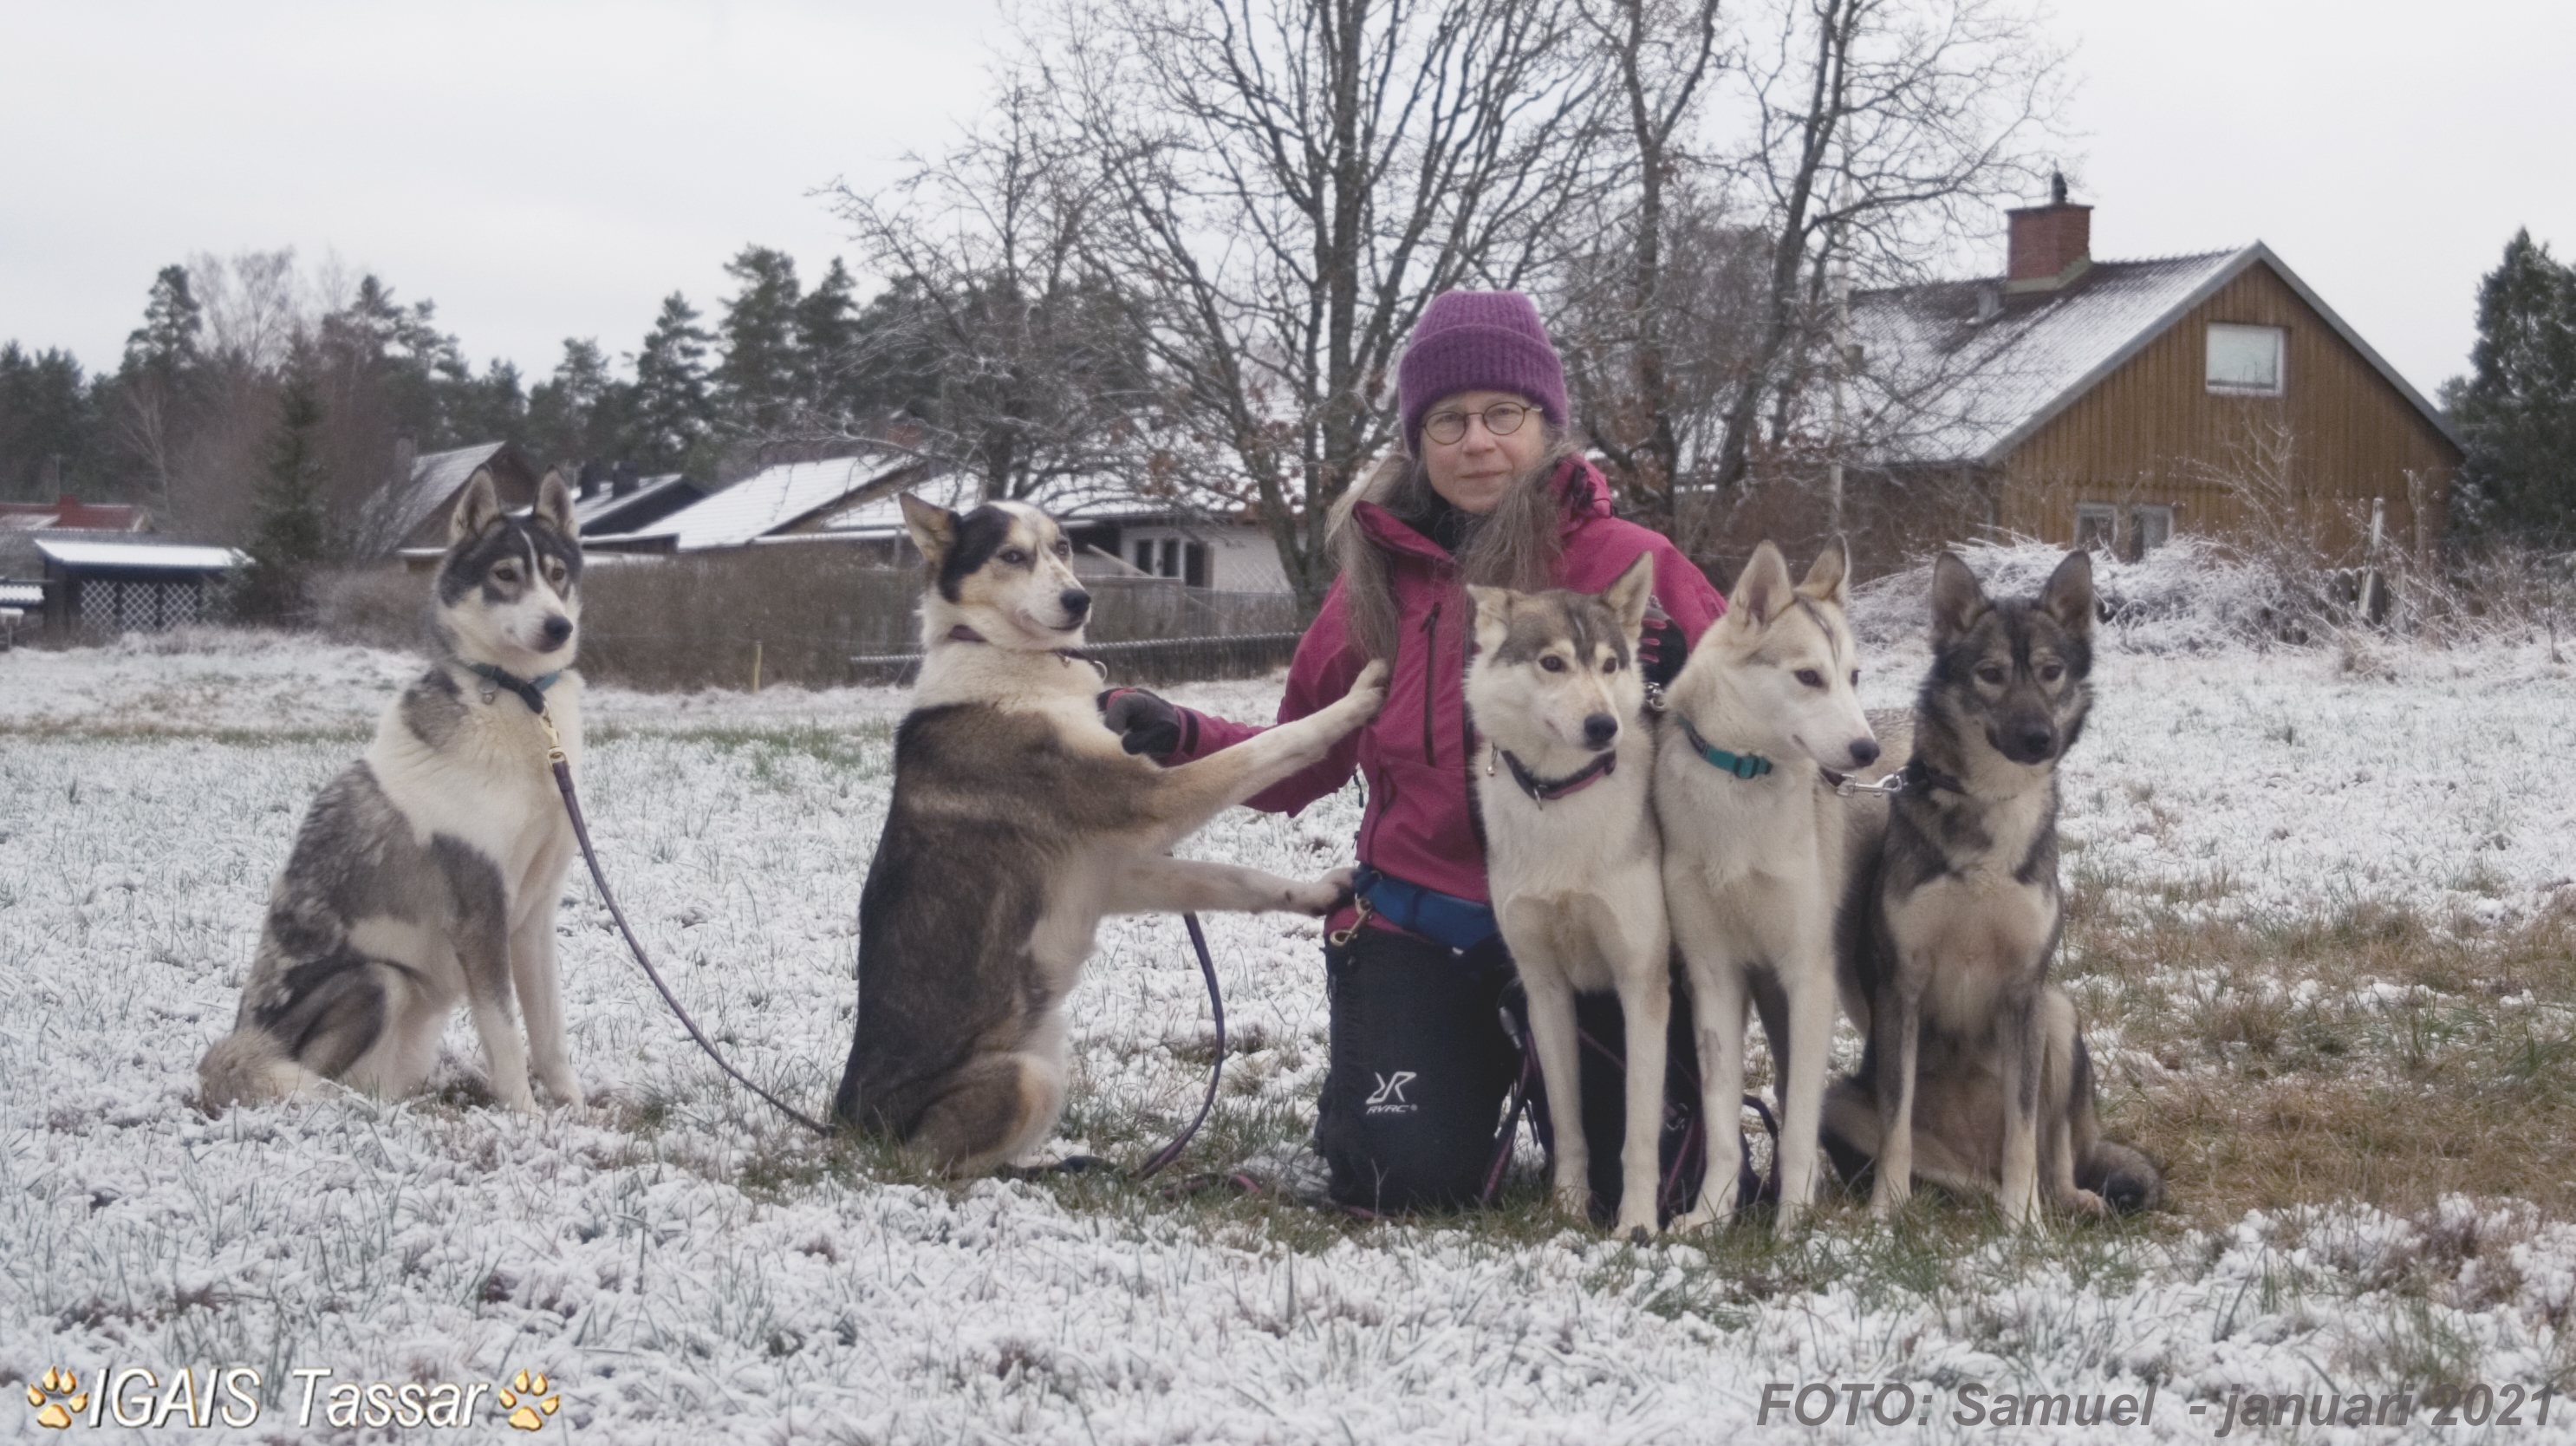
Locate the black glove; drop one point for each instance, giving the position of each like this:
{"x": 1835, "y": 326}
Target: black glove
{"x": 1660, "y": 649}
{"x": 1144, "y": 723}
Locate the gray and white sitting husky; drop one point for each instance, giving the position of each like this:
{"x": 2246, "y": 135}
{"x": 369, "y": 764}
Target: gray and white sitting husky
{"x": 429, "y": 870}
{"x": 1571, "y": 854}
{"x": 1976, "y": 1076}
{"x": 1019, "y": 821}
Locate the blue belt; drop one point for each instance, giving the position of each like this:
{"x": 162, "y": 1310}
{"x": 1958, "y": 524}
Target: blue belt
{"x": 1462, "y": 924}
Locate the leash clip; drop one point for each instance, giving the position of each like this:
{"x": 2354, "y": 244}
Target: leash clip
{"x": 554, "y": 740}
{"x": 1888, "y": 787}
{"x": 1341, "y": 938}
{"x": 1655, "y": 697}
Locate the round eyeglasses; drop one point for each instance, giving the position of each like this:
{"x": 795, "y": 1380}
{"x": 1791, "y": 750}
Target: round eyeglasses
{"x": 1501, "y": 420}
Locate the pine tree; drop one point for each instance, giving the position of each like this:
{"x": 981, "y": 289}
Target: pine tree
{"x": 761, "y": 380}
{"x": 579, "y": 414}
{"x": 673, "y": 417}
{"x": 289, "y": 536}
{"x": 48, "y": 424}
{"x": 827, "y": 335}
{"x": 166, "y": 342}
{"x": 2517, "y": 410}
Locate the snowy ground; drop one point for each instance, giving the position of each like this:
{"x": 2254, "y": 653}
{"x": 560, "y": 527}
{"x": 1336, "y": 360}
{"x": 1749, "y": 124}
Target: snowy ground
{"x": 674, "y": 1264}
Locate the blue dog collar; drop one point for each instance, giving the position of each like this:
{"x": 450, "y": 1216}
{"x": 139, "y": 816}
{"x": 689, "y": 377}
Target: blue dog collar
{"x": 1747, "y": 766}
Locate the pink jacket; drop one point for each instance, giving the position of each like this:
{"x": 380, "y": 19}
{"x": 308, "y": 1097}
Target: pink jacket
{"x": 1416, "y": 755}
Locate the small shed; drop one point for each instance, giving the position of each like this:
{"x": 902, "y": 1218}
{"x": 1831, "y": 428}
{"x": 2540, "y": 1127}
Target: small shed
{"x": 132, "y": 586}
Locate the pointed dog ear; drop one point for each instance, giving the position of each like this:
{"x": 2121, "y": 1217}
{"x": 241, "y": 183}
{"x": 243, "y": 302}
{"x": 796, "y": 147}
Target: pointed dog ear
{"x": 2069, "y": 594}
{"x": 479, "y": 508}
{"x": 1628, "y": 594}
{"x": 1763, "y": 589}
{"x": 933, "y": 528}
{"x": 1829, "y": 576}
{"x": 1957, "y": 600}
{"x": 554, "y": 506}
{"x": 1493, "y": 615}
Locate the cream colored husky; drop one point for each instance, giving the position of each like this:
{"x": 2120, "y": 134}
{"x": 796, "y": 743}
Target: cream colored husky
{"x": 1570, "y": 850}
{"x": 1753, "y": 863}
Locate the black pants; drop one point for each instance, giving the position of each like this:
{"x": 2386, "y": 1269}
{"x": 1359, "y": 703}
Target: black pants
{"x": 1422, "y": 1064}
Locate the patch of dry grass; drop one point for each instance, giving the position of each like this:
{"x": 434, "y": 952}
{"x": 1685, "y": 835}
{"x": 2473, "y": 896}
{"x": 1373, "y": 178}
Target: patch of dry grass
{"x": 2370, "y": 1056}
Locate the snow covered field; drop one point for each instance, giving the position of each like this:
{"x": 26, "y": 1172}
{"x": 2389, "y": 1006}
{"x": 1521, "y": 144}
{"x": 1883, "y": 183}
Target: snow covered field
{"x": 678, "y": 1263}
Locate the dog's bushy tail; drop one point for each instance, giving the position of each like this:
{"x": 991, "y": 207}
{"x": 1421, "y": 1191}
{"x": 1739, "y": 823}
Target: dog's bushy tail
{"x": 248, "y": 1067}
{"x": 2123, "y": 1176}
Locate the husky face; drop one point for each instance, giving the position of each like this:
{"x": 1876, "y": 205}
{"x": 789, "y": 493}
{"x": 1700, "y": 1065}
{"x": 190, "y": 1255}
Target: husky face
{"x": 1557, "y": 671}
{"x": 1792, "y": 656}
{"x": 1003, "y": 571}
{"x": 2014, "y": 673}
{"x": 509, "y": 590}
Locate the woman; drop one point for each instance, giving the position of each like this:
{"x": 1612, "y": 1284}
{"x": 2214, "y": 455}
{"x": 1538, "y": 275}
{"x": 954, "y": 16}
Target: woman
{"x": 1489, "y": 490}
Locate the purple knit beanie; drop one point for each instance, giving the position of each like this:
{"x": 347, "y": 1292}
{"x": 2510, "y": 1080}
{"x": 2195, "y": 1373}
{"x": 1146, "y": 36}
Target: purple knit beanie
{"x": 1472, "y": 341}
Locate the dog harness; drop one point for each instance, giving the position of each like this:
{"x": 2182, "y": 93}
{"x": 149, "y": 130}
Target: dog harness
{"x": 1544, "y": 791}
{"x": 1747, "y": 766}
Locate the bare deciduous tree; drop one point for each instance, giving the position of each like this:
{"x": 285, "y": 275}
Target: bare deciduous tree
{"x": 1881, "y": 132}
{"x": 1002, "y": 334}
{"x": 1291, "y": 180}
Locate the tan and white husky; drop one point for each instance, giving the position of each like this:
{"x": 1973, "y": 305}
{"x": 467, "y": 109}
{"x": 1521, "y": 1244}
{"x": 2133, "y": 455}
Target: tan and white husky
{"x": 1018, "y": 822}
{"x": 1754, "y": 860}
{"x": 1571, "y": 853}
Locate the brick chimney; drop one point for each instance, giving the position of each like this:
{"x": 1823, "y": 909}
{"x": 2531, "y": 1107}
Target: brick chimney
{"x": 2051, "y": 245}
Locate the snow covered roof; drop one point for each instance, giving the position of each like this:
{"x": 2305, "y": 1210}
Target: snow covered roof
{"x": 1097, "y": 498}
{"x": 22, "y": 594}
{"x": 141, "y": 555}
{"x": 599, "y": 510}
{"x": 1964, "y": 372}
{"x": 768, "y": 501}
{"x": 401, "y": 509}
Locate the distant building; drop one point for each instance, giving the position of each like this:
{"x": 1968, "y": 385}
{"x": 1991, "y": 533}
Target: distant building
{"x": 98, "y": 566}
{"x": 1202, "y": 541}
{"x": 2115, "y": 403}
{"x": 611, "y": 500}
{"x": 784, "y": 502}
{"x": 409, "y": 517}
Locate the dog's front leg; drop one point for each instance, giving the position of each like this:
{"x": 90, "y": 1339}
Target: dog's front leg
{"x": 1560, "y": 1057}
{"x": 1645, "y": 1009}
{"x": 1189, "y": 795}
{"x": 1717, "y": 1025}
{"x": 1810, "y": 990}
{"x": 483, "y": 952}
{"x": 536, "y": 971}
{"x": 1898, "y": 1013}
{"x": 2021, "y": 1040}
{"x": 1162, "y": 884}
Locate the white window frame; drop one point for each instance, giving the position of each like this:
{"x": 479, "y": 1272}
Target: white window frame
{"x": 2277, "y": 335}
{"x": 2162, "y": 515}
{"x": 2102, "y": 516}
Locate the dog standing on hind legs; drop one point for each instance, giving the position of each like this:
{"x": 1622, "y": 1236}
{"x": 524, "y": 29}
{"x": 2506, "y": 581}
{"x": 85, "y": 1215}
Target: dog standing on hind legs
{"x": 1571, "y": 851}
{"x": 1018, "y": 822}
{"x": 1754, "y": 861}
{"x": 429, "y": 871}
{"x": 1972, "y": 1055}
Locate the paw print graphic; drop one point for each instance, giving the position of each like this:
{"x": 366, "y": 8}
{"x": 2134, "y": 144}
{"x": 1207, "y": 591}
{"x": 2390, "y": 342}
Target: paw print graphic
{"x": 523, "y": 1392}
{"x": 55, "y": 1401}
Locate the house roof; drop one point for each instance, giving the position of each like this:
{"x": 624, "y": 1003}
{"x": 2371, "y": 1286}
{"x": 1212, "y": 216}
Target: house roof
{"x": 1940, "y": 385}
{"x": 599, "y": 512}
{"x": 71, "y": 514}
{"x": 22, "y": 594}
{"x": 770, "y": 500}
{"x": 1066, "y": 499}
{"x": 434, "y": 480}
{"x": 157, "y": 557}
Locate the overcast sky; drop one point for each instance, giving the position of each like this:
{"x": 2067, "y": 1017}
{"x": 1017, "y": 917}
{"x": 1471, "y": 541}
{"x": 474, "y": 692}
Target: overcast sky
{"x": 544, "y": 170}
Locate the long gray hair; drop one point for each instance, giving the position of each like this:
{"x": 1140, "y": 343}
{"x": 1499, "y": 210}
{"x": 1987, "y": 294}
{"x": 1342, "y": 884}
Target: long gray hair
{"x": 1516, "y": 545}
